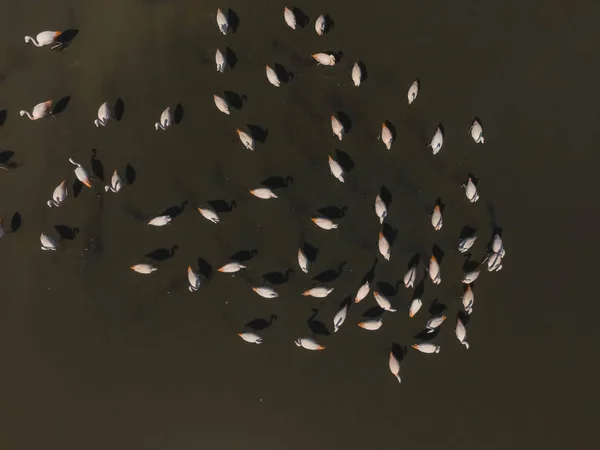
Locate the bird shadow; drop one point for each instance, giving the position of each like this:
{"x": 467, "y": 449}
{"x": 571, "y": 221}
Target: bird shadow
{"x": 66, "y": 232}
{"x": 345, "y": 119}
{"x": 389, "y": 233}
{"x": 5, "y": 160}
{"x": 333, "y": 212}
{"x": 231, "y": 57}
{"x": 385, "y": 195}
{"x": 119, "y": 109}
{"x": 464, "y": 317}
{"x": 373, "y": 312}
{"x": 316, "y": 326}
{"x": 363, "y": 70}
{"x": 66, "y": 37}
{"x": 438, "y": 253}
{"x": 61, "y": 105}
{"x": 473, "y": 178}
{"x": 76, "y": 188}
{"x": 442, "y": 205}
{"x": 399, "y": 351}
{"x": 174, "y": 211}
{"x": 204, "y": 268}
{"x": 329, "y": 23}
{"x": 221, "y": 206}
{"x": 419, "y": 290}
{"x": 235, "y": 100}
{"x": 302, "y": 19}
{"x": 260, "y": 323}
{"x": 388, "y": 289}
{"x": 392, "y": 129}
{"x": 277, "y": 182}
{"x": 344, "y": 160}
{"x": 3, "y": 117}
{"x": 178, "y": 113}
{"x": 310, "y": 251}
{"x": 233, "y": 19}
{"x": 97, "y": 166}
{"x": 427, "y": 335}
{"x": 258, "y": 133}
{"x": 277, "y": 278}
{"x": 130, "y": 174}
{"x": 16, "y": 221}
{"x": 243, "y": 255}
{"x": 348, "y": 301}
{"x": 467, "y": 232}
{"x": 162, "y": 254}
{"x": 470, "y": 266}
{"x": 283, "y": 74}
{"x": 437, "y": 308}
{"x": 414, "y": 261}
{"x": 330, "y": 275}
{"x": 370, "y": 275}
{"x": 338, "y": 54}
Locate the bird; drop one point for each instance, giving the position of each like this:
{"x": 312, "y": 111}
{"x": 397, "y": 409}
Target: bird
{"x": 263, "y": 193}
{"x": 380, "y": 209}
{"x": 426, "y": 347}
{"x": 324, "y": 223}
{"x": 116, "y": 183}
{"x": 476, "y": 131}
{"x": 468, "y": 299}
{"x": 318, "y": 292}
{"x": 251, "y": 338}
{"x": 339, "y": 318}
{"x": 302, "y": 261}
{"x": 436, "y": 218}
{"x": 39, "y": 111}
{"x": 59, "y": 195}
{"x": 356, "y": 74}
{"x": 337, "y": 127}
{"x": 497, "y": 245}
{"x": 222, "y": 21}
{"x": 45, "y": 38}
{"x": 81, "y": 174}
{"x": 220, "y": 61}
{"x": 471, "y": 190}
{"x": 362, "y": 292}
{"x": 410, "y": 277}
{"x": 434, "y": 323}
{"x": 437, "y": 141}
{"x": 290, "y": 18}
{"x": 386, "y": 136}
{"x": 166, "y": 119}
{"x": 104, "y": 115}
{"x": 434, "y": 270}
{"x": 247, "y": 140}
{"x": 465, "y": 244}
{"x": 470, "y": 277}
{"x": 209, "y": 214}
{"x": 48, "y": 243}
{"x": 461, "y": 333}
{"x": 383, "y": 302}
{"x": 371, "y": 324}
{"x": 309, "y": 344}
{"x": 415, "y": 306}
{"x": 494, "y": 262}
{"x": 265, "y": 292}
{"x": 193, "y": 279}
{"x": 221, "y": 104}
{"x": 325, "y": 59}
{"x": 336, "y": 169}
{"x": 413, "y": 91}
{"x": 394, "y": 367}
{"x": 321, "y": 24}
{"x": 160, "y": 221}
{"x": 143, "y": 268}
{"x": 384, "y": 247}
{"x": 272, "y": 76}
{"x": 231, "y": 267}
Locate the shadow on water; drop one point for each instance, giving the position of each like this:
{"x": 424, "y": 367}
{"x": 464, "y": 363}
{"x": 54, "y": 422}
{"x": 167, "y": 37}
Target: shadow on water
{"x": 66, "y": 232}
{"x": 467, "y": 232}
{"x": 426, "y": 335}
{"x": 437, "y": 308}
{"x": 97, "y": 166}
{"x": 235, "y": 100}
{"x": 204, "y": 268}
{"x": 344, "y": 160}
{"x": 277, "y": 182}
{"x": 179, "y": 113}
{"x": 386, "y": 196}
{"x": 258, "y": 133}
{"x": 363, "y": 70}
{"x": 130, "y": 174}
{"x": 471, "y": 265}
{"x": 345, "y": 119}
{"x": 260, "y": 324}
{"x": 60, "y": 105}
{"x": 316, "y": 326}
{"x": 277, "y": 278}
{"x": 162, "y": 254}
{"x": 388, "y": 289}
{"x": 283, "y": 74}
{"x": 3, "y": 117}
{"x": 419, "y": 290}
{"x": 174, "y": 211}
{"x": 76, "y": 188}
{"x": 392, "y": 129}
{"x": 399, "y": 351}
{"x": 310, "y": 251}
{"x": 333, "y": 212}
{"x": 5, "y": 160}
{"x": 302, "y": 19}
{"x": 442, "y": 205}
{"x": 389, "y": 233}
{"x": 438, "y": 253}
{"x": 66, "y": 37}
{"x": 464, "y": 317}
{"x": 330, "y": 275}
{"x": 414, "y": 261}
{"x": 370, "y": 275}
{"x": 234, "y": 20}
{"x": 243, "y": 255}
{"x": 221, "y": 206}
{"x": 16, "y": 221}
{"x": 231, "y": 57}
{"x": 373, "y": 312}
{"x": 119, "y": 109}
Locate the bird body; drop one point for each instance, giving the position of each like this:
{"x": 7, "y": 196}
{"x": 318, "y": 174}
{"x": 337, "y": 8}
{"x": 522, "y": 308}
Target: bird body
{"x": 116, "y": 183}
{"x": 413, "y": 91}
{"x": 468, "y": 299}
{"x": 410, "y": 277}
{"x": 324, "y": 223}
{"x": 39, "y": 111}
{"x": 415, "y": 306}
{"x": 471, "y": 191}
{"x": 209, "y": 214}
{"x": 340, "y": 318}
{"x": 437, "y": 141}
{"x": 384, "y": 247}
{"x": 104, "y": 115}
{"x": 386, "y": 136}
{"x": 251, "y": 338}
{"x": 247, "y": 140}
{"x": 461, "y": 333}
{"x": 221, "y": 104}
{"x": 272, "y": 76}
{"x": 160, "y": 221}
{"x": 81, "y": 174}
{"x": 222, "y": 21}
{"x": 265, "y": 292}
{"x": 48, "y": 243}
{"x": 476, "y": 131}
{"x": 356, "y": 74}
{"x": 144, "y": 269}
{"x": 302, "y": 261}
{"x": 263, "y": 193}
{"x": 166, "y": 119}
{"x": 336, "y": 169}
{"x": 193, "y": 279}
{"x": 59, "y": 195}
{"x": 436, "y": 218}
{"x": 44, "y": 38}
{"x": 394, "y": 366}
{"x": 434, "y": 270}
{"x": 426, "y": 347}
{"x": 362, "y": 292}
{"x": 324, "y": 59}
{"x": 383, "y": 302}
{"x": 371, "y": 324}
{"x": 290, "y": 18}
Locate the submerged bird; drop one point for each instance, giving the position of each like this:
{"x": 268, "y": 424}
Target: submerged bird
{"x": 290, "y": 18}
{"x": 410, "y": 276}
{"x": 263, "y": 193}
{"x": 309, "y": 344}
{"x": 302, "y": 261}
{"x": 468, "y": 299}
{"x": 476, "y": 131}
{"x": 209, "y": 214}
{"x": 426, "y": 347}
{"x": 48, "y": 243}
{"x": 231, "y": 267}
{"x": 356, "y": 74}
{"x": 116, "y": 183}
{"x": 59, "y": 195}
{"x": 461, "y": 333}
{"x": 434, "y": 270}
{"x": 465, "y": 244}
{"x": 318, "y": 292}
{"x": 413, "y": 91}
{"x": 436, "y": 218}
{"x": 394, "y": 366}
{"x": 193, "y": 279}
{"x": 104, "y": 115}
{"x": 320, "y": 24}
{"x": 469, "y": 277}
{"x": 272, "y": 77}
{"x": 384, "y": 247}
{"x": 340, "y": 318}
{"x": 434, "y": 323}
{"x": 265, "y": 292}
{"x": 144, "y": 269}
{"x": 383, "y": 302}
{"x": 415, "y": 306}
{"x": 250, "y": 337}
{"x": 160, "y": 221}
{"x": 386, "y": 136}
{"x": 380, "y": 209}
{"x": 220, "y": 61}
{"x": 325, "y": 224}
{"x": 437, "y": 141}
{"x": 336, "y": 169}
{"x": 221, "y": 104}
{"x": 247, "y": 140}
{"x": 39, "y": 111}
{"x": 166, "y": 119}
{"x": 471, "y": 190}
{"x": 45, "y": 38}
{"x": 337, "y": 127}
{"x": 222, "y": 21}
{"x": 362, "y": 292}
{"x": 325, "y": 59}
{"x": 371, "y": 324}
{"x": 81, "y": 174}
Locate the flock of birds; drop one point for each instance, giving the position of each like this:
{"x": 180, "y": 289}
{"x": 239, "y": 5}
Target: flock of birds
{"x": 494, "y": 259}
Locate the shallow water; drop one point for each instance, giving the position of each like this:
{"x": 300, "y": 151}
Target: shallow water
{"x": 95, "y": 356}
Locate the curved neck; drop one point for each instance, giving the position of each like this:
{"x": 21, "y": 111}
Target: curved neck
{"x": 32, "y": 40}
{"x": 26, "y": 113}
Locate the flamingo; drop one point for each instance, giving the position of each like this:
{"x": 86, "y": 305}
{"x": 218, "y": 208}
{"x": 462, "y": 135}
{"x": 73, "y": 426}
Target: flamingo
{"x": 40, "y": 110}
